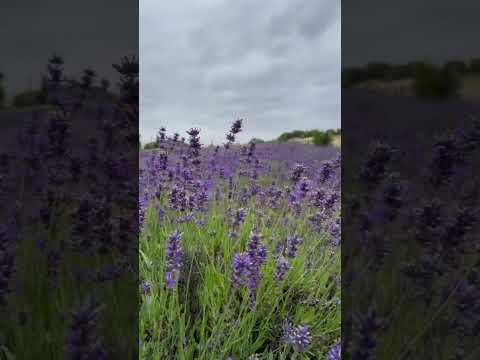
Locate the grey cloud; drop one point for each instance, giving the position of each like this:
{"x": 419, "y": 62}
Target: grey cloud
{"x": 86, "y": 33}
{"x": 274, "y": 63}
{"x": 308, "y": 18}
{"x": 438, "y": 31}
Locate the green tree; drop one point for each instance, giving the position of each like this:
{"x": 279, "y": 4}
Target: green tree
{"x": 3, "y": 95}
{"x": 459, "y": 67}
{"x": 474, "y": 65}
{"x": 379, "y": 71}
{"x": 150, "y": 145}
{"x": 435, "y": 83}
{"x": 352, "y": 76}
{"x": 29, "y": 98}
{"x": 323, "y": 138}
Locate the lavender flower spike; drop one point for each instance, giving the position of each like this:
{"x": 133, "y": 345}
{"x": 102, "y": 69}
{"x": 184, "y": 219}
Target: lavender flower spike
{"x": 299, "y": 337}
{"x": 175, "y": 254}
{"x": 293, "y": 244}
{"x": 241, "y": 265}
{"x": 83, "y": 339}
{"x": 335, "y": 353}
{"x": 256, "y": 250}
{"x": 282, "y": 267}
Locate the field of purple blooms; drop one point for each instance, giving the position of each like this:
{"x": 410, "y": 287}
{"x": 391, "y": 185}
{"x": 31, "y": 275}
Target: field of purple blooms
{"x": 239, "y": 250}
{"x": 410, "y": 250}
{"x": 68, "y": 227}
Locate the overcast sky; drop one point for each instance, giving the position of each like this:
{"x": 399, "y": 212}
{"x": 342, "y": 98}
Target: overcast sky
{"x": 204, "y": 63}
{"x": 409, "y": 30}
{"x": 86, "y": 33}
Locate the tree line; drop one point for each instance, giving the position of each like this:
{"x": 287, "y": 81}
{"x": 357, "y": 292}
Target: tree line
{"x": 38, "y": 96}
{"x": 319, "y": 137}
{"x": 429, "y": 80}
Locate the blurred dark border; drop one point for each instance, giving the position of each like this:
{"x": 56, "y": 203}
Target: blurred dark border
{"x": 410, "y": 155}
{"x": 69, "y": 147}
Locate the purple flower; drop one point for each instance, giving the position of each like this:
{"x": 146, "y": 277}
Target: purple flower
{"x": 247, "y": 266}
{"x": 146, "y": 287}
{"x": 366, "y": 326}
{"x": 335, "y": 353}
{"x": 8, "y": 237}
{"x": 142, "y": 206}
{"x": 241, "y": 265}
{"x": 299, "y": 337}
{"x": 195, "y": 146}
{"x": 317, "y": 197}
{"x": 161, "y": 137}
{"x": 302, "y": 188}
{"x": 175, "y": 254}
{"x": 297, "y": 172}
{"x": 326, "y": 171}
{"x": 240, "y": 216}
{"x": 282, "y": 267}
{"x": 178, "y": 198}
{"x": 377, "y": 160}
{"x": 234, "y": 130}
{"x": 279, "y": 248}
{"x": 335, "y": 229}
{"x": 83, "y": 340}
{"x": 293, "y": 244}
{"x": 41, "y": 242}
{"x": 256, "y": 250}
{"x": 171, "y": 278}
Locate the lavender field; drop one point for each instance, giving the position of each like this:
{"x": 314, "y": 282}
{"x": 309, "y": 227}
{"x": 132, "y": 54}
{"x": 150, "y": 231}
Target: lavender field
{"x": 239, "y": 250}
{"x": 410, "y": 200}
{"x": 68, "y": 229}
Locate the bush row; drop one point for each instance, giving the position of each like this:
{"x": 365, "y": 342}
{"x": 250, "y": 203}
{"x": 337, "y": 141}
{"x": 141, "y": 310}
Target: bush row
{"x": 38, "y": 97}
{"x": 430, "y": 81}
{"x": 319, "y": 137}
{"x": 385, "y": 71}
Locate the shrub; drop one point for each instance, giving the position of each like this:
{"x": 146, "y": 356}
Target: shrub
{"x": 403, "y": 71}
{"x": 353, "y": 76}
{"x": 474, "y": 65}
{"x": 285, "y": 137}
{"x": 435, "y": 83}
{"x": 379, "y": 71}
{"x": 2, "y": 96}
{"x": 30, "y": 98}
{"x": 456, "y": 66}
{"x": 2, "y": 92}
{"x": 150, "y": 145}
{"x": 319, "y": 137}
{"x": 323, "y": 138}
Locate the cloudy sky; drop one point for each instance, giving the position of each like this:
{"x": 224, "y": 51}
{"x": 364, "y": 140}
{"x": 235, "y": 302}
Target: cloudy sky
{"x": 86, "y": 33}
{"x": 204, "y": 63}
{"x": 409, "y": 30}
